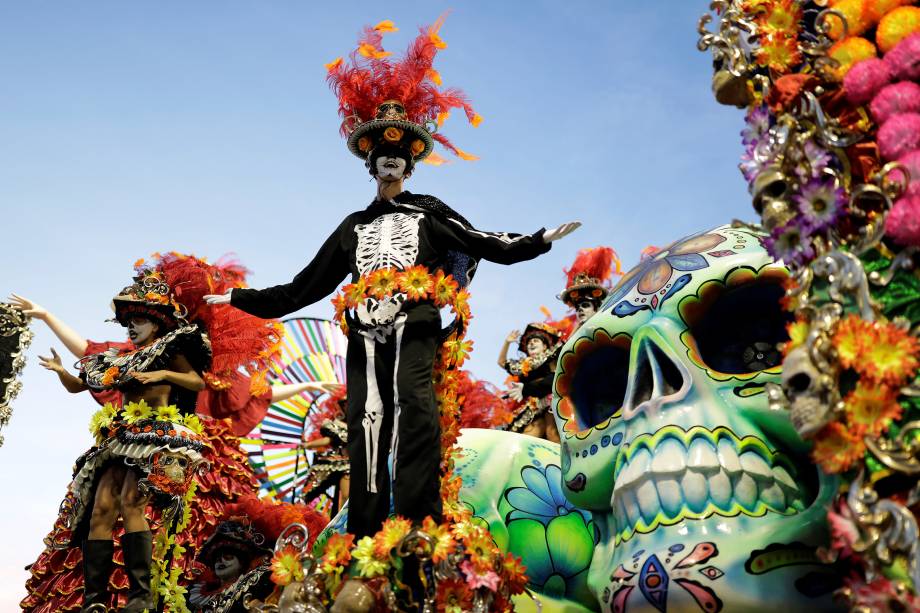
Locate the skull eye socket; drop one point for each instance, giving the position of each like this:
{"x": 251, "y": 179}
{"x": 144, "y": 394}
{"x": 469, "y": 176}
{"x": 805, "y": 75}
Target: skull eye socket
{"x": 740, "y": 332}
{"x": 599, "y": 384}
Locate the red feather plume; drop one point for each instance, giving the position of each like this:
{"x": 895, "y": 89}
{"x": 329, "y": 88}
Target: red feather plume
{"x": 598, "y": 263}
{"x": 271, "y": 518}
{"x": 370, "y": 77}
{"x": 481, "y": 404}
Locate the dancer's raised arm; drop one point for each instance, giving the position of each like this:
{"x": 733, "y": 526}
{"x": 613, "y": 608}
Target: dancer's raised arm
{"x": 71, "y": 383}
{"x": 72, "y": 339}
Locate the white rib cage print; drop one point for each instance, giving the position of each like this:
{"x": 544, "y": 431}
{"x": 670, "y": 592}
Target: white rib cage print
{"x": 390, "y": 241}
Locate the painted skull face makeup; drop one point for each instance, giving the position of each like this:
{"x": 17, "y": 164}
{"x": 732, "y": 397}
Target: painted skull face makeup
{"x": 141, "y": 330}
{"x": 585, "y": 310}
{"x": 228, "y": 567}
{"x": 535, "y": 346}
{"x": 390, "y": 168}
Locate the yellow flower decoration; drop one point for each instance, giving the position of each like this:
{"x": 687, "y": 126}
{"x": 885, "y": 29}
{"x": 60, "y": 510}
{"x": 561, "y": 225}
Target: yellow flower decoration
{"x": 168, "y": 413}
{"x": 111, "y": 409}
{"x": 286, "y": 566}
{"x": 193, "y": 423}
{"x": 100, "y": 420}
{"x": 368, "y": 565}
{"x": 381, "y": 283}
{"x": 392, "y": 531}
{"x": 136, "y": 411}
{"x": 871, "y": 408}
{"x": 416, "y": 283}
{"x": 444, "y": 543}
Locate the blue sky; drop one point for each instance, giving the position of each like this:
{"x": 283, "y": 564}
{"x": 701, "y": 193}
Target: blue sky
{"x": 207, "y": 127}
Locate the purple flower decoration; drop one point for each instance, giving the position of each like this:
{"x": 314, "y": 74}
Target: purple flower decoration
{"x": 820, "y": 203}
{"x": 791, "y": 243}
{"x": 758, "y": 123}
{"x": 816, "y": 156}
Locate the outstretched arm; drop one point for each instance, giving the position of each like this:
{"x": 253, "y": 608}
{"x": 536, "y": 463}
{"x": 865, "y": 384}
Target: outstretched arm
{"x": 503, "y": 354}
{"x": 283, "y": 392}
{"x": 71, "y": 383}
{"x": 313, "y": 283}
{"x": 74, "y": 342}
{"x": 500, "y": 247}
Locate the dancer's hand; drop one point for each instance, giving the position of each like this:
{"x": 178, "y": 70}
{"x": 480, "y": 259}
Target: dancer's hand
{"x": 516, "y": 392}
{"x": 218, "y": 298}
{"x": 513, "y": 336}
{"x": 329, "y": 387}
{"x": 28, "y": 307}
{"x": 53, "y": 363}
{"x": 154, "y": 376}
{"x": 560, "y": 232}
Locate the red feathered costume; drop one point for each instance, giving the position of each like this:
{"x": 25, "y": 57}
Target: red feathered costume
{"x": 238, "y": 341}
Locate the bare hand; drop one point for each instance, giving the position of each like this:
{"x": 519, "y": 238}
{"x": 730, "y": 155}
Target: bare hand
{"x": 516, "y": 392}
{"x": 53, "y": 363}
{"x": 218, "y": 298}
{"x": 513, "y": 336}
{"x": 28, "y": 307}
{"x": 154, "y": 376}
{"x": 329, "y": 387}
{"x": 563, "y": 230}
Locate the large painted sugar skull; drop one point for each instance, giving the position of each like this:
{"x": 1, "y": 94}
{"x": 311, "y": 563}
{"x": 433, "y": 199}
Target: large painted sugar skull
{"x": 703, "y": 497}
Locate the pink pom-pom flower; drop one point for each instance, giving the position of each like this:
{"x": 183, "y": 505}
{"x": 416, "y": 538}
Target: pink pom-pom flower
{"x": 903, "y": 222}
{"x": 899, "y": 135}
{"x": 902, "y": 61}
{"x": 903, "y": 97}
{"x": 864, "y": 79}
{"x": 911, "y": 163}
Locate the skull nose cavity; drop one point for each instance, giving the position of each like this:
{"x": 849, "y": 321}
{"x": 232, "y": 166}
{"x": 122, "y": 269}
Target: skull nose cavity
{"x": 656, "y": 378}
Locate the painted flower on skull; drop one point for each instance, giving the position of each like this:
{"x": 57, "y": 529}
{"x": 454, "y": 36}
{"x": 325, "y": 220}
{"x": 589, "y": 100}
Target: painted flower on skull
{"x": 656, "y": 279}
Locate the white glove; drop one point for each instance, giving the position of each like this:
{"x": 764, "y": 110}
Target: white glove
{"x": 563, "y": 230}
{"x": 218, "y": 298}
{"x": 516, "y": 392}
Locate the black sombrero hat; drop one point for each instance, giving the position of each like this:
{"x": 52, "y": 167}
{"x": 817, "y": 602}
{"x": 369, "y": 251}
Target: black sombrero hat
{"x": 391, "y": 126}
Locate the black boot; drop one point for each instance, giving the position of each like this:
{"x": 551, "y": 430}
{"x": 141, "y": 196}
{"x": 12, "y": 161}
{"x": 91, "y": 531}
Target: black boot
{"x": 138, "y": 550}
{"x": 97, "y": 568}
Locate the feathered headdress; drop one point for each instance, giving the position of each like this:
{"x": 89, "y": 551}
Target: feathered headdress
{"x": 238, "y": 340}
{"x": 383, "y": 100}
{"x": 590, "y": 274}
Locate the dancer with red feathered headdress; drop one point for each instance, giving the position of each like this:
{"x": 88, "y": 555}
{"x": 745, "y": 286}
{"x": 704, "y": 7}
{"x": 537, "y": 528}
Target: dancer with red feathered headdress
{"x": 588, "y": 281}
{"x": 406, "y": 254}
{"x": 219, "y": 345}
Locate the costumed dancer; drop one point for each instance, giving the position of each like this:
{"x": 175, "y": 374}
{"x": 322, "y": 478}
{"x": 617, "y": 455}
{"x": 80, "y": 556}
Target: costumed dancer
{"x": 237, "y": 556}
{"x": 238, "y": 340}
{"x": 146, "y": 452}
{"x": 330, "y": 465}
{"x": 390, "y": 109}
{"x": 588, "y": 281}
{"x": 532, "y": 387}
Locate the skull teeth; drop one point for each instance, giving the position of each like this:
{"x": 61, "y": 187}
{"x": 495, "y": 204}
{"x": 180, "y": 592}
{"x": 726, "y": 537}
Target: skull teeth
{"x": 679, "y": 480}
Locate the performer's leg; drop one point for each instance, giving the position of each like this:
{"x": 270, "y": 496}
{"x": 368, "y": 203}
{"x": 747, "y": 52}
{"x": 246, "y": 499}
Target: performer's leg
{"x": 369, "y": 417}
{"x": 137, "y": 545}
{"x": 417, "y": 429}
{"x": 98, "y": 548}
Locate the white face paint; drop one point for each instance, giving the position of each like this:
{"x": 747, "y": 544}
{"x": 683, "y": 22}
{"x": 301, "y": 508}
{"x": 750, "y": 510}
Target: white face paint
{"x": 141, "y": 330}
{"x": 228, "y": 567}
{"x": 584, "y": 311}
{"x": 535, "y": 346}
{"x": 390, "y": 168}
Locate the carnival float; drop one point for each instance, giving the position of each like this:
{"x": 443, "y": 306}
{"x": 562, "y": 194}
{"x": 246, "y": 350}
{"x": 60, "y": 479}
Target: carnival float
{"x": 731, "y": 425}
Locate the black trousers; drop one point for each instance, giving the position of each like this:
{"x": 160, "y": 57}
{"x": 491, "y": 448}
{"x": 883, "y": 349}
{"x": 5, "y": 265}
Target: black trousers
{"x": 392, "y": 413}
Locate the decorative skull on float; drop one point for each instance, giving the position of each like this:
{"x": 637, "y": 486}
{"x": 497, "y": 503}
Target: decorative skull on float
{"x": 703, "y": 498}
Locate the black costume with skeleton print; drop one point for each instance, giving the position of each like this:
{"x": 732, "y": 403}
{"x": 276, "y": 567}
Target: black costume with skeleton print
{"x": 392, "y": 347}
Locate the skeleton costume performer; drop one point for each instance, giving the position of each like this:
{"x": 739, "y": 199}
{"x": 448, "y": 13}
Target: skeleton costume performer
{"x": 535, "y": 373}
{"x": 393, "y": 335}
{"x": 588, "y": 281}
{"x": 234, "y": 340}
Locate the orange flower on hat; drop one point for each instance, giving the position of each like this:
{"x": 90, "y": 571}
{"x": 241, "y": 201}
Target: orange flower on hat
{"x": 381, "y": 283}
{"x": 392, "y": 135}
{"x": 416, "y": 283}
{"x": 890, "y": 354}
{"x": 837, "y": 448}
{"x": 364, "y": 144}
{"x": 871, "y": 408}
{"x": 417, "y": 147}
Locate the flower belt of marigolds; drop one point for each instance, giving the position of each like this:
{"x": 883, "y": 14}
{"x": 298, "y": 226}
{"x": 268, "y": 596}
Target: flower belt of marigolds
{"x": 139, "y": 417}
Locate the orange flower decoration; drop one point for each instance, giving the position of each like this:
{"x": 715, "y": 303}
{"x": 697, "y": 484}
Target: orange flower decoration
{"x": 871, "y": 409}
{"x": 848, "y": 340}
{"x": 457, "y": 351}
{"x": 514, "y": 573}
{"x": 461, "y": 305}
{"x": 778, "y": 53}
{"x": 155, "y": 297}
{"x": 798, "y": 332}
{"x": 364, "y": 144}
{"x": 355, "y": 293}
{"x": 338, "y": 551}
{"x": 394, "y": 530}
{"x": 837, "y": 448}
{"x": 444, "y": 543}
{"x": 416, "y": 283}
{"x": 392, "y": 135}
{"x": 890, "y": 354}
{"x": 111, "y": 373}
{"x": 416, "y": 147}
{"x": 781, "y": 18}
{"x": 381, "y": 283}
{"x": 286, "y": 566}
{"x": 445, "y": 288}
{"x": 453, "y": 596}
